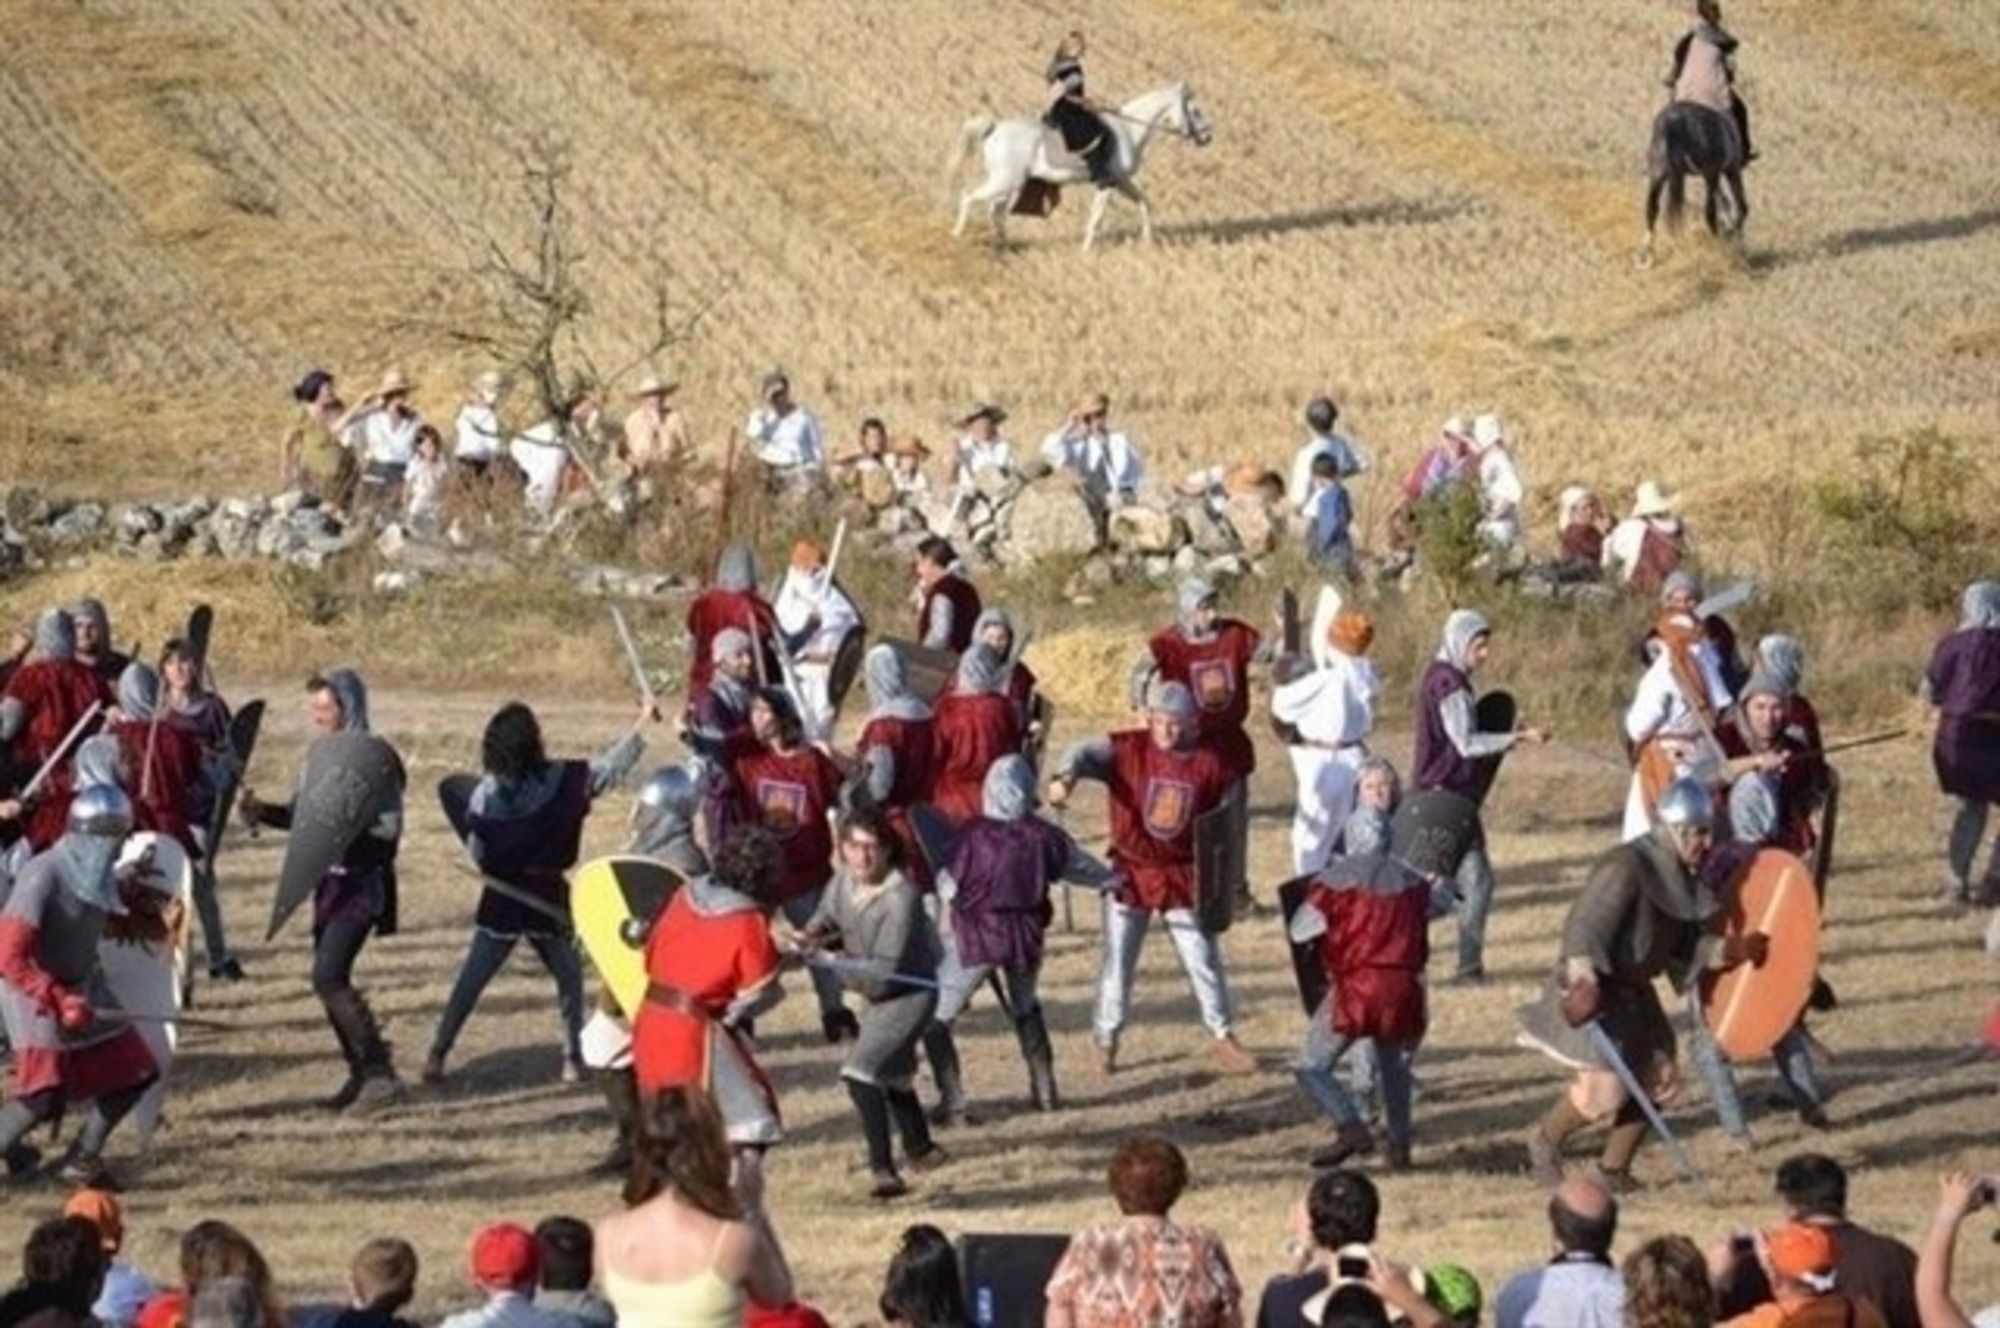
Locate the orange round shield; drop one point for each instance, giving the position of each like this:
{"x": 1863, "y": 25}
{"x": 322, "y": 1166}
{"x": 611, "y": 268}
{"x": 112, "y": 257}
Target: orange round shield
{"x": 1750, "y": 1007}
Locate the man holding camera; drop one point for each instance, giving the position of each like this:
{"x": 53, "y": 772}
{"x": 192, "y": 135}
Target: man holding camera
{"x": 784, "y": 435}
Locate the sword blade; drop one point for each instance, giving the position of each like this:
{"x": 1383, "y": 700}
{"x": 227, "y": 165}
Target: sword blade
{"x": 148, "y": 1017}
{"x": 1601, "y": 1043}
{"x": 62, "y": 750}
{"x": 632, "y": 657}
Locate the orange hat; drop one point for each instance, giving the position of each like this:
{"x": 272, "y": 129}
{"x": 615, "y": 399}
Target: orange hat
{"x": 807, "y": 555}
{"x": 505, "y": 1257}
{"x": 1351, "y": 633}
{"x": 1802, "y": 1252}
{"x": 100, "y": 1209}
{"x": 909, "y": 445}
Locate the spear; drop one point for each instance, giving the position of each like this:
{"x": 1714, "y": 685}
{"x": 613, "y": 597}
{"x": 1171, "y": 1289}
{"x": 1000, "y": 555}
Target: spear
{"x": 62, "y": 750}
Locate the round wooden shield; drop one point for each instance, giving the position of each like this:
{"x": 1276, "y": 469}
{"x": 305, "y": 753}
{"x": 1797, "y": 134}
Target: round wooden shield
{"x": 1750, "y": 1007}
{"x": 614, "y": 901}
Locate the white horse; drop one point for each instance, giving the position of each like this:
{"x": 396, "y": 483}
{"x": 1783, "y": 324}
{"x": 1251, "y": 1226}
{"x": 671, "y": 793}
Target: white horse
{"x": 1017, "y": 151}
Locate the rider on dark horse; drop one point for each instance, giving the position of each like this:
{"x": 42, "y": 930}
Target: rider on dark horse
{"x": 1074, "y": 115}
{"x": 1704, "y": 70}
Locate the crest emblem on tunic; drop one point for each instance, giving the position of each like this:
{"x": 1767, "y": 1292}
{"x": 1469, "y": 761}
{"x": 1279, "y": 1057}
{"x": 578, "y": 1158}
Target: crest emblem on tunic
{"x": 782, "y": 805}
{"x": 1169, "y": 806}
{"x": 1213, "y": 682}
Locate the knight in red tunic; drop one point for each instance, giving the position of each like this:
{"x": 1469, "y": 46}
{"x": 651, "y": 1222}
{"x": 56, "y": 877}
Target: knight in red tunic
{"x": 790, "y": 789}
{"x": 947, "y": 604}
{"x": 996, "y": 629}
{"x": 732, "y": 601}
{"x": 163, "y": 759}
{"x": 711, "y": 968}
{"x": 41, "y": 703}
{"x": 896, "y": 754}
{"x": 1157, "y": 781}
{"x": 976, "y": 726}
{"x": 51, "y": 990}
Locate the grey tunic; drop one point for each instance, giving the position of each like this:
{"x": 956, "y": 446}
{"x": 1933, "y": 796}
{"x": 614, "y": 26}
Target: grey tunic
{"x": 889, "y": 931}
{"x": 1640, "y": 915}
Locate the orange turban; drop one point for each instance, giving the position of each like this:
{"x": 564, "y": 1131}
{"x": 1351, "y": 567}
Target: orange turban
{"x": 1800, "y": 1251}
{"x": 1351, "y": 633}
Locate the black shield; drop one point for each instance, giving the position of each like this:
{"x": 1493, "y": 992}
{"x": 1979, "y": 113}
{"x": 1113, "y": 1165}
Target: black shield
{"x": 350, "y": 780}
{"x": 1306, "y": 967}
{"x": 647, "y": 886}
{"x": 455, "y": 796}
{"x": 244, "y": 726}
{"x": 1829, "y": 821}
{"x": 928, "y": 672}
{"x": 1432, "y": 831}
{"x": 1219, "y": 864}
{"x": 1041, "y": 723}
{"x": 934, "y": 833}
{"x": 846, "y": 666}
{"x": 1495, "y": 713}
{"x": 1291, "y": 629}
{"x": 200, "y": 627}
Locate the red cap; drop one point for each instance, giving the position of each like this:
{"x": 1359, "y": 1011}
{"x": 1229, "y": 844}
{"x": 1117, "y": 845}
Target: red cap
{"x": 1801, "y": 1251}
{"x": 505, "y": 1257}
{"x": 795, "y": 1314}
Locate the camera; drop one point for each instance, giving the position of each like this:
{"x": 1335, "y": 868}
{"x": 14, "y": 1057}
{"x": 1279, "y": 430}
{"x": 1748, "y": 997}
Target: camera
{"x": 1353, "y": 1263}
{"x": 1985, "y": 1193}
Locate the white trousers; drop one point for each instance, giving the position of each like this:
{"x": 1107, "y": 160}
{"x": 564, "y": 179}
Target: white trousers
{"x": 816, "y": 707}
{"x": 1327, "y": 786}
{"x": 1200, "y": 956}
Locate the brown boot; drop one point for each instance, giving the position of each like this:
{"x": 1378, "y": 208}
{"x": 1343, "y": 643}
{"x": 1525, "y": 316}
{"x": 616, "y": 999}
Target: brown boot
{"x": 1230, "y": 1057}
{"x": 1545, "y": 1141}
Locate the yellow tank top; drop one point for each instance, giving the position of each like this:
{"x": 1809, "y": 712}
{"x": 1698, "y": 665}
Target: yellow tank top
{"x": 703, "y": 1300}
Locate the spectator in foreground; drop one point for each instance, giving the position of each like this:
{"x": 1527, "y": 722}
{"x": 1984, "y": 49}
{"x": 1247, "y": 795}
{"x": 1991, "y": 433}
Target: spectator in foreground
{"x": 1579, "y": 1287}
{"x": 381, "y": 1282}
{"x": 1145, "y": 1268}
{"x": 126, "y": 1289}
{"x": 1454, "y": 1293}
{"x": 1339, "y": 1212}
{"x": 1958, "y": 1196}
{"x": 688, "y": 1251}
{"x": 505, "y": 1264}
{"x": 922, "y": 1288}
{"x": 1799, "y": 1260}
{"x": 210, "y": 1251}
{"x": 569, "y": 1253}
{"x": 62, "y": 1271}
{"x": 1666, "y": 1286}
{"x": 1870, "y": 1266}
{"x": 226, "y": 1302}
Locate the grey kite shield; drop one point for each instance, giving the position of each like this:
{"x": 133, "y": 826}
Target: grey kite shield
{"x": 350, "y": 780}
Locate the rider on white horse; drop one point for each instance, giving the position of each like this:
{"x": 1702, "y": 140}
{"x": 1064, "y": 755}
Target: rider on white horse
{"x": 1074, "y": 115}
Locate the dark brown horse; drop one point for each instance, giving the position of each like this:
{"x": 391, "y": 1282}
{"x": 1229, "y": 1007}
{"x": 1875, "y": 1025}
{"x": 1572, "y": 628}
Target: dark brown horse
{"x": 1692, "y": 139}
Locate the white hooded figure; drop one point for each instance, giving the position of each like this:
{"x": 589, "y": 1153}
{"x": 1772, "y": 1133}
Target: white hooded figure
{"x": 807, "y": 599}
{"x": 1501, "y": 492}
{"x": 1332, "y": 711}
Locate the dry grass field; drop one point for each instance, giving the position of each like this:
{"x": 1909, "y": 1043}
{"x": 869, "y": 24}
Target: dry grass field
{"x": 1427, "y": 207}
{"x": 502, "y": 1138}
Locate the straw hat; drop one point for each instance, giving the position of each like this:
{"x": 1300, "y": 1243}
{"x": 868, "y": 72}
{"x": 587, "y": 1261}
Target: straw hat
{"x": 982, "y": 410}
{"x": 652, "y": 385}
{"x": 1093, "y": 403}
{"x": 1652, "y": 500}
{"x": 909, "y": 445}
{"x": 394, "y": 382}
{"x": 489, "y": 384}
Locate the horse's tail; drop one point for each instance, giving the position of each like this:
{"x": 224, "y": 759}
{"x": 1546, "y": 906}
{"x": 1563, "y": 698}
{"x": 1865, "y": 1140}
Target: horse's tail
{"x": 970, "y": 135}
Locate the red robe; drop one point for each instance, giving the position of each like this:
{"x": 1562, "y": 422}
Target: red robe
{"x": 1155, "y": 797}
{"x": 164, "y": 803}
{"x": 55, "y": 693}
{"x": 965, "y": 611}
{"x": 971, "y": 732}
{"x": 1374, "y": 949}
{"x": 912, "y": 746}
{"x": 709, "y": 960}
{"x": 1217, "y": 671}
{"x": 714, "y": 612}
{"x": 789, "y": 794}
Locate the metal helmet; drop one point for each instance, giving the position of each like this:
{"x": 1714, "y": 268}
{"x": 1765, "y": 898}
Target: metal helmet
{"x": 665, "y": 806}
{"x": 1685, "y": 804}
{"x": 101, "y": 811}
{"x": 100, "y": 817}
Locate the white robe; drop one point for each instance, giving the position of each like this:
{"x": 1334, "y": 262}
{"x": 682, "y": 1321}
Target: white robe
{"x": 1333, "y": 708}
{"x": 803, "y": 594}
{"x": 1659, "y": 709}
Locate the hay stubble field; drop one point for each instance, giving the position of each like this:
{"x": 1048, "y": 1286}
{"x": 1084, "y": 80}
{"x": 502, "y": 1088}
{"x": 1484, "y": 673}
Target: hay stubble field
{"x": 1428, "y": 207}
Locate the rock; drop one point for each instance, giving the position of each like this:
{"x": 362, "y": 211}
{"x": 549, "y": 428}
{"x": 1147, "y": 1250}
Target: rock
{"x": 899, "y": 520}
{"x": 394, "y": 582}
{"x": 1205, "y": 530}
{"x": 1033, "y": 469}
{"x": 1049, "y": 520}
{"x": 26, "y": 507}
{"x": 1158, "y": 569}
{"x": 1229, "y": 567}
{"x": 1147, "y": 530}
{"x": 152, "y": 548}
{"x": 79, "y": 525}
{"x": 992, "y": 483}
{"x": 1255, "y": 524}
{"x": 291, "y": 500}
{"x": 392, "y": 541}
{"x": 1188, "y": 561}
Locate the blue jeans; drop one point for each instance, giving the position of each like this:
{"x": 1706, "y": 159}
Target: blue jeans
{"x": 485, "y": 957}
{"x": 1315, "y": 1073}
{"x": 1475, "y": 902}
{"x": 1793, "y": 1062}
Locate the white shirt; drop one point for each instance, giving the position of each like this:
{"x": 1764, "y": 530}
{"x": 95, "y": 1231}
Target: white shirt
{"x": 1658, "y": 707}
{"x": 804, "y": 594}
{"x": 974, "y": 456}
{"x": 542, "y": 458}
{"x": 478, "y": 432}
{"x": 786, "y": 441}
{"x": 1627, "y": 540}
{"x": 1107, "y": 462}
{"x": 1563, "y": 1295}
{"x": 423, "y": 486}
{"x": 387, "y": 441}
{"x": 1348, "y": 459}
{"x": 1332, "y": 706}
{"x": 509, "y": 1309}
{"x": 1500, "y": 484}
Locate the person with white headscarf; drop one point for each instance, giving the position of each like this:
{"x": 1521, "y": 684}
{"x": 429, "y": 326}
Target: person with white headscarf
{"x": 816, "y": 616}
{"x": 1328, "y": 714}
{"x": 1681, "y": 698}
{"x": 1451, "y": 754}
{"x": 1963, "y": 682}
{"x": 1501, "y": 492}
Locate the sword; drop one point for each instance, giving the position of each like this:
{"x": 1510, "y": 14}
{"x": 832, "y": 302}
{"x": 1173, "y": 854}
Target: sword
{"x": 522, "y": 897}
{"x": 1850, "y": 744}
{"x": 840, "y": 966}
{"x": 147, "y": 1017}
{"x": 1722, "y": 601}
{"x": 62, "y": 750}
{"x": 1601, "y": 1043}
{"x": 632, "y": 658}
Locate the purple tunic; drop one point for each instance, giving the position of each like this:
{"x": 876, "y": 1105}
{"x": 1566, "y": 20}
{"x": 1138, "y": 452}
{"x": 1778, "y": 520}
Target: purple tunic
{"x": 1438, "y": 763}
{"x": 1003, "y": 870}
{"x": 1964, "y": 679}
